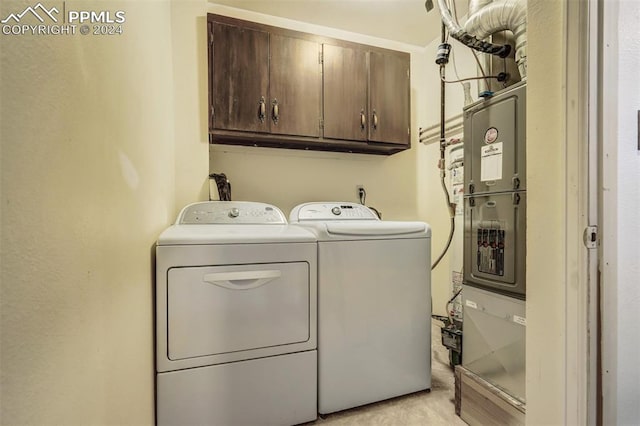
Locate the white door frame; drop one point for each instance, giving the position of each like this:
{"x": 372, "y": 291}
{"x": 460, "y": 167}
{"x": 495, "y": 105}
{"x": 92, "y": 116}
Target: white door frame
{"x": 608, "y": 163}
{"x": 581, "y": 280}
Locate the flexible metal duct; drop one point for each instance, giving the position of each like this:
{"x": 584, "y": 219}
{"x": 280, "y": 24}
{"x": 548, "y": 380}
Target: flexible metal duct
{"x": 486, "y": 18}
{"x": 484, "y": 63}
{"x": 469, "y": 39}
{"x": 502, "y": 15}
{"x": 476, "y": 5}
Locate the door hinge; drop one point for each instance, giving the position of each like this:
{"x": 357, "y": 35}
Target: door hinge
{"x": 320, "y": 58}
{"x": 210, "y": 38}
{"x": 590, "y": 237}
{"x": 321, "y": 123}
{"x": 516, "y": 182}
{"x": 515, "y": 198}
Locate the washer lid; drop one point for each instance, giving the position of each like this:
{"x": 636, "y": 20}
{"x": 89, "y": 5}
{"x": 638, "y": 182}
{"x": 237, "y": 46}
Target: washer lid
{"x": 376, "y": 228}
{"x": 351, "y": 221}
{"x": 365, "y": 230}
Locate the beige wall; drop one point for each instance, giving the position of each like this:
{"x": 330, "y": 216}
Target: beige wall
{"x": 190, "y": 99}
{"x": 546, "y": 209}
{"x": 87, "y": 184}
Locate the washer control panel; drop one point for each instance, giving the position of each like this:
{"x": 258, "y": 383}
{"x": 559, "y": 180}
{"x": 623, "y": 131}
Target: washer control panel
{"x": 331, "y": 211}
{"x": 231, "y": 212}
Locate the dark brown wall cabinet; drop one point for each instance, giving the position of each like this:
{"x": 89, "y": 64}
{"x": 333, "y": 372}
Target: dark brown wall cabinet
{"x": 366, "y": 95}
{"x": 346, "y": 108}
{"x": 274, "y": 87}
{"x": 264, "y": 82}
{"x": 389, "y": 98}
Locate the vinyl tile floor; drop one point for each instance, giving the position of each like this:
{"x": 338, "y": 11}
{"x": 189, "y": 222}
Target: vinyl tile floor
{"x": 435, "y": 407}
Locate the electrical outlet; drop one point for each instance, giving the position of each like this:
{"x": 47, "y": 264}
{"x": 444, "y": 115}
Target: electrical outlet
{"x": 361, "y": 193}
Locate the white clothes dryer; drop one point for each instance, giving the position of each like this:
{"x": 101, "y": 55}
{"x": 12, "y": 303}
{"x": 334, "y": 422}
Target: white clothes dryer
{"x": 236, "y": 337}
{"x": 374, "y": 304}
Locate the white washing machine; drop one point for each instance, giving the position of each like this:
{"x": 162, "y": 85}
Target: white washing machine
{"x": 374, "y": 304}
{"x": 236, "y": 318}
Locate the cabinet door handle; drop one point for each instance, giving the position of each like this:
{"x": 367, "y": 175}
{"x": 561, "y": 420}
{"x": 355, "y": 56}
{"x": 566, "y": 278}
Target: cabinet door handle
{"x": 262, "y": 110}
{"x": 375, "y": 120}
{"x": 275, "y": 113}
{"x": 363, "y": 120}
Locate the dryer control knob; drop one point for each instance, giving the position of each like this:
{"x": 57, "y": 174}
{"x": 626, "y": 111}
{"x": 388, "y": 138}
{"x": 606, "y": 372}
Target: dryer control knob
{"x": 336, "y": 211}
{"x": 234, "y": 212}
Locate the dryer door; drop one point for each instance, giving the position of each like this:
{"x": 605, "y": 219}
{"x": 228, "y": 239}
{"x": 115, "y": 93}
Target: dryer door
{"x": 221, "y": 309}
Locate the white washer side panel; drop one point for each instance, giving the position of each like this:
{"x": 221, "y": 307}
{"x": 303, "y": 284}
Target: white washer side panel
{"x": 375, "y": 321}
{"x": 279, "y": 390}
{"x": 221, "y": 309}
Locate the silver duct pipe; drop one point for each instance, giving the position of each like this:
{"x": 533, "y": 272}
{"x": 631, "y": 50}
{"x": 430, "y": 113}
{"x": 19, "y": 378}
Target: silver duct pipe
{"x": 467, "y": 39}
{"x": 476, "y": 5}
{"x": 484, "y": 62}
{"x": 487, "y": 17}
{"x": 503, "y": 15}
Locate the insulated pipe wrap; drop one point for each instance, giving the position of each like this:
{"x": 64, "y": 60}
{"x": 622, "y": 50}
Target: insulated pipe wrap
{"x": 476, "y": 5}
{"x": 486, "y": 18}
{"x": 498, "y": 16}
{"x": 468, "y": 39}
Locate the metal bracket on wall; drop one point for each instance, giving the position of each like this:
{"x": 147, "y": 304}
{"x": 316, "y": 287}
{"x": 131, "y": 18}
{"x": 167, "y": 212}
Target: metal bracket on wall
{"x": 590, "y": 237}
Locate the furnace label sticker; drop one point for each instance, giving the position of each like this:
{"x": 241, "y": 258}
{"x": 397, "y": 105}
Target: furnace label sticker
{"x": 491, "y": 162}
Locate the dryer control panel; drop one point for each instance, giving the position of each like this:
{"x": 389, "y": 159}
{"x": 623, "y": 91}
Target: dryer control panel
{"x": 231, "y": 212}
{"x": 331, "y": 211}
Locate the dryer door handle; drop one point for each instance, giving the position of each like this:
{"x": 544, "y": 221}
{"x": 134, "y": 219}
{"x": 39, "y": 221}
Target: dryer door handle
{"x": 241, "y": 280}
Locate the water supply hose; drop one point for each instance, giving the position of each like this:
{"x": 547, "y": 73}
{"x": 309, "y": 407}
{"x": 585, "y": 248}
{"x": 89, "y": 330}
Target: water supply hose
{"x": 452, "y": 226}
{"x": 442, "y": 151}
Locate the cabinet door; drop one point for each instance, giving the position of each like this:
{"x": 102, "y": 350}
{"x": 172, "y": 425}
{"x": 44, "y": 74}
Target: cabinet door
{"x": 240, "y": 61}
{"x": 345, "y": 93}
{"x": 294, "y": 79}
{"x": 389, "y": 107}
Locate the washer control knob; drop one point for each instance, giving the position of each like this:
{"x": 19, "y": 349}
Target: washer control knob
{"x": 336, "y": 211}
{"x": 234, "y": 212}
